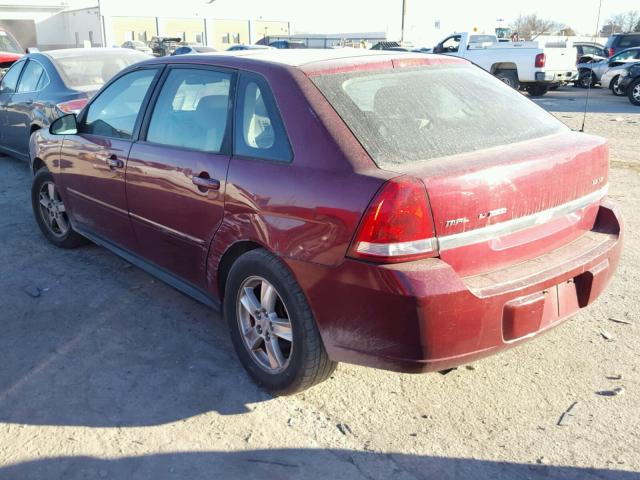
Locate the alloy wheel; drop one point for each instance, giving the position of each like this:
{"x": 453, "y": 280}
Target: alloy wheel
{"x": 52, "y": 210}
{"x": 265, "y": 325}
{"x": 616, "y": 87}
{"x": 636, "y": 92}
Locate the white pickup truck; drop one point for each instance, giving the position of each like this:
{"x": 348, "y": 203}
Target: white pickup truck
{"x": 523, "y": 65}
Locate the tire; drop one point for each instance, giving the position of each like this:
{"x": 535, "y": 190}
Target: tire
{"x": 633, "y": 92}
{"x": 510, "y": 77}
{"x": 50, "y": 213}
{"x": 615, "y": 89}
{"x": 586, "y": 79}
{"x": 293, "y": 365}
{"x": 537, "y": 90}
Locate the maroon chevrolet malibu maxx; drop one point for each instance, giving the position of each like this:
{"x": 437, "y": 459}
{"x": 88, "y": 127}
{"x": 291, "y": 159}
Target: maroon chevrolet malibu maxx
{"x": 401, "y": 211}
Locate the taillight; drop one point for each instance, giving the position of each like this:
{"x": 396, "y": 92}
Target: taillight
{"x": 397, "y": 225}
{"x": 73, "y": 106}
{"x": 541, "y": 59}
{"x": 611, "y": 52}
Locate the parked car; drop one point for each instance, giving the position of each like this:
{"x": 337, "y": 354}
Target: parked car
{"x": 586, "y": 51}
{"x": 630, "y": 83}
{"x": 41, "y": 87}
{"x": 235, "y": 48}
{"x": 139, "y": 46}
{"x": 10, "y": 51}
{"x": 287, "y": 44}
{"x": 521, "y": 65}
{"x": 591, "y": 73}
{"x": 185, "y": 50}
{"x": 338, "y": 206}
{"x": 611, "y": 78}
{"x": 163, "y": 46}
{"x": 621, "y": 41}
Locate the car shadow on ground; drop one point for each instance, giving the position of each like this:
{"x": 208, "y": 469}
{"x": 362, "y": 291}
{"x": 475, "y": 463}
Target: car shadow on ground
{"x": 296, "y": 463}
{"x": 88, "y": 340}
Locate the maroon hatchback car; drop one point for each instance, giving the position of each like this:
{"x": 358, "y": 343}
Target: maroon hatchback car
{"x": 401, "y": 211}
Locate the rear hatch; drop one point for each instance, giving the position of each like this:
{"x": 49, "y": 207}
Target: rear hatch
{"x": 506, "y": 181}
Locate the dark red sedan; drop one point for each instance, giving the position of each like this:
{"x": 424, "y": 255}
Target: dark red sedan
{"x": 402, "y": 211}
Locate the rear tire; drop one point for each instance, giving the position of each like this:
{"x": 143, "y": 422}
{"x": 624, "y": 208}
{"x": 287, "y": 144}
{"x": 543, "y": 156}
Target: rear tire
{"x": 537, "y": 90}
{"x": 634, "y": 92}
{"x": 272, "y": 327}
{"x": 615, "y": 87}
{"x": 510, "y": 77}
{"x": 51, "y": 214}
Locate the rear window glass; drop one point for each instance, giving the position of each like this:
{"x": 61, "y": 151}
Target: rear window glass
{"x": 89, "y": 69}
{"x": 629, "y": 41}
{"x": 410, "y": 115}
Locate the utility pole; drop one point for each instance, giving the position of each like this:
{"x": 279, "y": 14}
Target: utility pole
{"x": 404, "y": 11}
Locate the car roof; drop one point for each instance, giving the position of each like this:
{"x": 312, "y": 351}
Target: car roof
{"x": 311, "y": 60}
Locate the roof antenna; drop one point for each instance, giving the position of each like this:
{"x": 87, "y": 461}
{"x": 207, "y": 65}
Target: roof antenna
{"x": 586, "y": 102}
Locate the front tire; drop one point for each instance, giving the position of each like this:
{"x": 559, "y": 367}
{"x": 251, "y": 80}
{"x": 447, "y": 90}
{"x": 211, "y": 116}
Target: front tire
{"x": 510, "y": 77}
{"x": 615, "y": 87}
{"x": 51, "y": 213}
{"x": 586, "y": 79}
{"x": 272, "y": 327}
{"x": 633, "y": 92}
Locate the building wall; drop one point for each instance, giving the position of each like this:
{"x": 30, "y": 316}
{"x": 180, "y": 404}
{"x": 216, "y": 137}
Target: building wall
{"x": 122, "y": 29}
{"x": 261, "y": 29}
{"x": 189, "y": 29}
{"x": 75, "y": 28}
{"x": 224, "y": 33}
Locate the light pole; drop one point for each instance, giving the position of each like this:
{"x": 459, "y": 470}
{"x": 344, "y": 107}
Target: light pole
{"x": 404, "y": 11}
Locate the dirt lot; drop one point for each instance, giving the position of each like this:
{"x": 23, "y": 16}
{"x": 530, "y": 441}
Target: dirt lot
{"x": 107, "y": 373}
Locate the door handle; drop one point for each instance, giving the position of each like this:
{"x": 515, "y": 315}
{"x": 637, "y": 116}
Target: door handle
{"x": 205, "y": 183}
{"x": 114, "y": 162}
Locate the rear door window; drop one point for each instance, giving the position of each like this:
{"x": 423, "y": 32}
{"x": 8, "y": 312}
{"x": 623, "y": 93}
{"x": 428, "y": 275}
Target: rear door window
{"x": 31, "y": 77}
{"x": 115, "y": 111}
{"x": 10, "y": 80}
{"x": 629, "y": 41}
{"x": 192, "y": 110}
{"x": 259, "y": 131}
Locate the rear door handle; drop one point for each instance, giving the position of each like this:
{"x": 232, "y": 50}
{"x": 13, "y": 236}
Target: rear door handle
{"x": 114, "y": 162}
{"x": 205, "y": 183}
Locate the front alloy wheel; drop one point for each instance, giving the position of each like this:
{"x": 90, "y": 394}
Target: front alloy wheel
{"x": 634, "y": 92}
{"x": 615, "y": 87}
{"x": 51, "y": 212}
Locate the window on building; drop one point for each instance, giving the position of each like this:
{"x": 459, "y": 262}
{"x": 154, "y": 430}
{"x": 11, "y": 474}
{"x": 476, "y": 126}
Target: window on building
{"x": 225, "y": 38}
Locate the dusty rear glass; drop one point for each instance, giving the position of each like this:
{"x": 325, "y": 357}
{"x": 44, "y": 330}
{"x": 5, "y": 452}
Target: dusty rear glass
{"x": 409, "y": 115}
{"x": 89, "y": 69}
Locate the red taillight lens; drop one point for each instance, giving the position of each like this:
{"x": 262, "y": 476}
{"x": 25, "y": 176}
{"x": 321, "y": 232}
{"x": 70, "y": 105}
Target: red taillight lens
{"x": 541, "y": 60}
{"x": 73, "y": 106}
{"x": 611, "y": 52}
{"x": 397, "y": 226}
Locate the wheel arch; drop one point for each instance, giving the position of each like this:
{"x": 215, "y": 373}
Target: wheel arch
{"x": 227, "y": 260}
{"x": 496, "y": 67}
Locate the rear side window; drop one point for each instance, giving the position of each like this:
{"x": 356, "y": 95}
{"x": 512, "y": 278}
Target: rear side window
{"x": 31, "y": 80}
{"x": 409, "y": 115}
{"x": 629, "y": 41}
{"x": 115, "y": 111}
{"x": 259, "y": 131}
{"x": 192, "y": 110}
{"x": 10, "y": 80}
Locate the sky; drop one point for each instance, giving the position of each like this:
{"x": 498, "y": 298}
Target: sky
{"x": 335, "y": 16}
{"x": 384, "y": 15}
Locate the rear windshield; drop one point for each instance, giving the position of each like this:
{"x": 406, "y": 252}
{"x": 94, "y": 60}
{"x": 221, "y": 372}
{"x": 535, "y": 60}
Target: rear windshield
{"x": 89, "y": 69}
{"x": 410, "y": 115}
{"x": 8, "y": 44}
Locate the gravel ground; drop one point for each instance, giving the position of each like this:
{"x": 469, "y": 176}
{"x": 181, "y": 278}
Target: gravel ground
{"x": 108, "y": 373}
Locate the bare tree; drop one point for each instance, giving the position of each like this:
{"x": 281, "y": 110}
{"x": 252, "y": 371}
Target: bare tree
{"x": 529, "y": 27}
{"x": 623, "y": 22}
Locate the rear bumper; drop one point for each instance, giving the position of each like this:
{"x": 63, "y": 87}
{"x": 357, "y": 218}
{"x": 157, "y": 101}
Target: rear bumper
{"x": 553, "y": 77}
{"x": 421, "y": 316}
